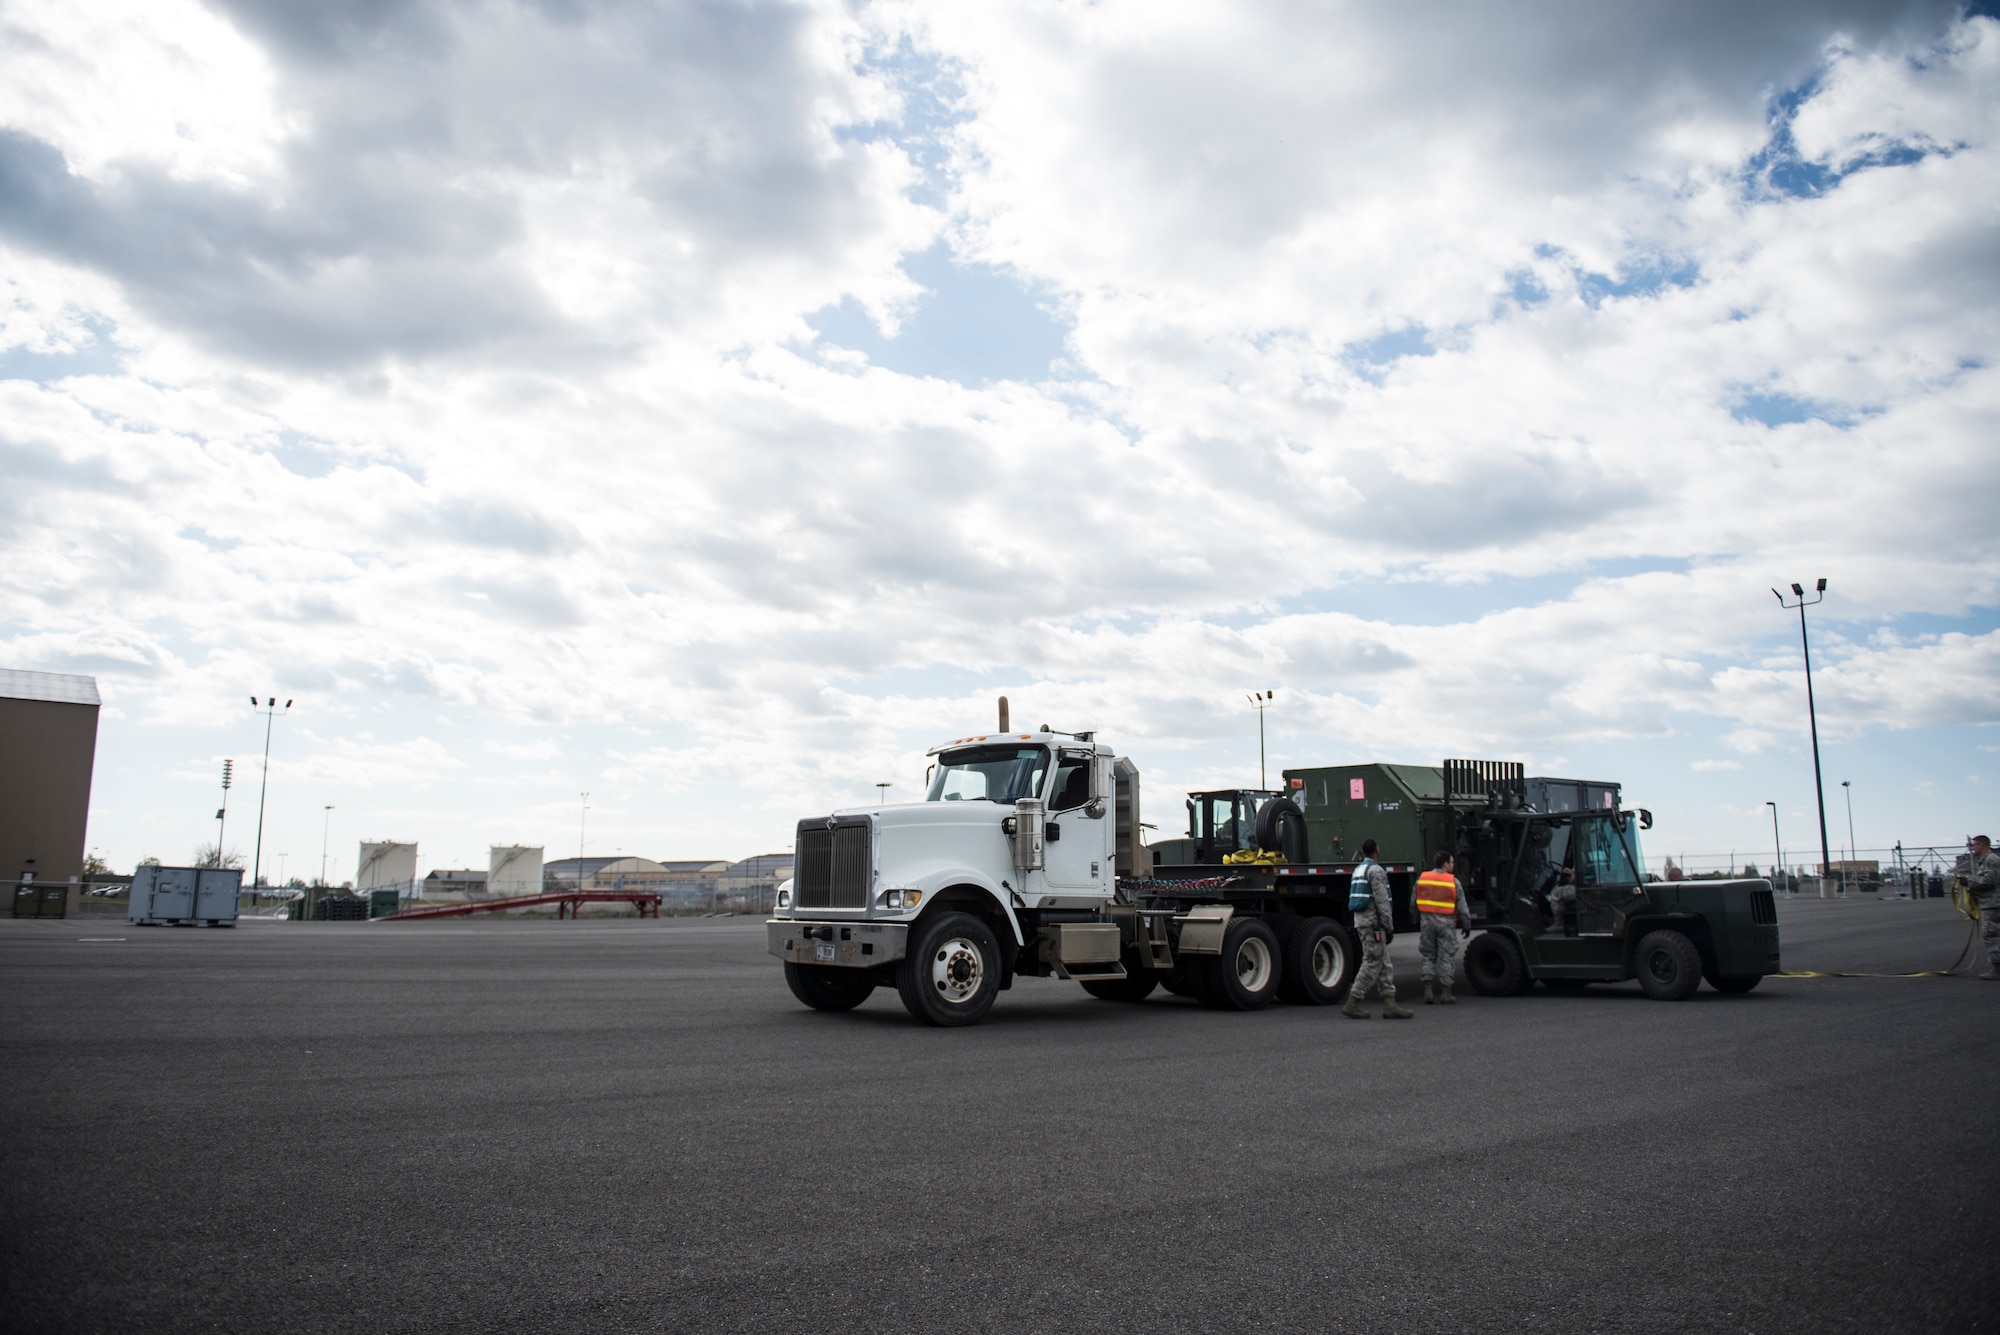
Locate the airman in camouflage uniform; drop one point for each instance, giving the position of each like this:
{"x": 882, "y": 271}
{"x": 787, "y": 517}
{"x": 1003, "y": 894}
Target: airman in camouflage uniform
{"x": 1375, "y": 923}
{"x": 1438, "y": 946}
{"x": 1985, "y": 871}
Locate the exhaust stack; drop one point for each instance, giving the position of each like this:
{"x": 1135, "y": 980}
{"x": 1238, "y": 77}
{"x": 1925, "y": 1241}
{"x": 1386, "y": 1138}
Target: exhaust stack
{"x": 1003, "y": 714}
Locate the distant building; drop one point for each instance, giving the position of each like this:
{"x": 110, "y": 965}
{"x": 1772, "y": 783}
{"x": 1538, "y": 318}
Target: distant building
{"x": 513, "y": 870}
{"x": 386, "y": 866}
{"x": 462, "y": 882}
{"x": 754, "y": 882}
{"x": 48, "y": 734}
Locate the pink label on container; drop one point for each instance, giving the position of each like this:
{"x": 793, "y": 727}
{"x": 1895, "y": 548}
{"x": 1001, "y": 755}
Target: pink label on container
{"x": 1355, "y": 792}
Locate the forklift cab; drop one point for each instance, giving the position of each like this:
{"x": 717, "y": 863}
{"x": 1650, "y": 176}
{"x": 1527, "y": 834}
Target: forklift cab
{"x": 1574, "y": 878}
{"x": 1221, "y": 823}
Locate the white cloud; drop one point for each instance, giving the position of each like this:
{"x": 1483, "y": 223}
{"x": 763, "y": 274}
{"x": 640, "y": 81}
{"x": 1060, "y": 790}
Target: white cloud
{"x": 473, "y": 370}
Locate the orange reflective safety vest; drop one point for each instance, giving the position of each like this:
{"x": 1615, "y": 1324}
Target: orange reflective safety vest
{"x": 1437, "y": 892}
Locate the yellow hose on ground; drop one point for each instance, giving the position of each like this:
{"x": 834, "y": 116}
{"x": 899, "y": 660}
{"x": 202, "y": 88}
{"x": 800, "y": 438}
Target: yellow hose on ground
{"x": 1967, "y": 906}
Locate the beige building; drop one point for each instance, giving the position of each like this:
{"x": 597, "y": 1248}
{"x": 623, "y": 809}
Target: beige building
{"x": 48, "y": 736}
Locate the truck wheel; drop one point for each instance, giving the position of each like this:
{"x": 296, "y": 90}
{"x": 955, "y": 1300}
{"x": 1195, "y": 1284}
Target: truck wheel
{"x": 825, "y": 988}
{"x": 1319, "y": 960}
{"x": 952, "y": 972}
{"x": 1668, "y": 965}
{"x": 1746, "y": 983}
{"x": 1136, "y": 985}
{"x": 1494, "y": 967}
{"x": 1245, "y": 976}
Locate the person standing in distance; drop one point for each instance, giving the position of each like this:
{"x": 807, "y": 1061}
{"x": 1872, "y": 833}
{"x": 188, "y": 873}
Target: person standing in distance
{"x": 1985, "y": 871}
{"x": 1441, "y": 909}
{"x": 1375, "y": 922}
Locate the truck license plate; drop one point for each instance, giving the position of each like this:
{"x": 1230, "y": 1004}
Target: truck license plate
{"x": 825, "y": 952}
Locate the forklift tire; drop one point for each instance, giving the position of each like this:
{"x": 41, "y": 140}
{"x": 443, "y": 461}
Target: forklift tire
{"x": 1281, "y": 829}
{"x": 1668, "y": 965}
{"x": 1320, "y": 962}
{"x": 952, "y": 972}
{"x": 1736, "y": 986}
{"x": 1244, "y": 977}
{"x": 1136, "y": 985}
{"x": 825, "y": 988}
{"x": 1494, "y": 967}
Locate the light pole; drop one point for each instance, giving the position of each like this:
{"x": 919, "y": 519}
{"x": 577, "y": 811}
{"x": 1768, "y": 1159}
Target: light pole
{"x": 1848, "y": 788}
{"x": 1812, "y": 713}
{"x": 1777, "y": 843}
{"x": 222, "y": 812}
{"x": 882, "y": 792}
{"x": 582, "y": 824}
{"x": 269, "y": 710}
{"x": 1260, "y": 701}
{"x": 324, "y": 830}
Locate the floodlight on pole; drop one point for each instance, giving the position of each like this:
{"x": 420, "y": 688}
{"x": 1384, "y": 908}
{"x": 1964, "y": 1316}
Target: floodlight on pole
{"x": 325, "y": 830}
{"x": 882, "y": 792}
{"x": 1812, "y": 712}
{"x": 1261, "y": 701}
{"x": 269, "y": 710}
{"x": 1778, "y": 845}
{"x": 1848, "y": 788}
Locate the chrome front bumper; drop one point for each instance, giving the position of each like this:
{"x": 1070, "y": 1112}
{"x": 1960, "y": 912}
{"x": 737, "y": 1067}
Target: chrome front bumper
{"x": 847, "y": 945}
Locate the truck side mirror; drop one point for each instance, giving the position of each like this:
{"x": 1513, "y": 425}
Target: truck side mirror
{"x": 1094, "y": 808}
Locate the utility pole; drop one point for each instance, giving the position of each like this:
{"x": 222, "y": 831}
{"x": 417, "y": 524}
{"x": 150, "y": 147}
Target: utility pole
{"x": 582, "y": 824}
{"x": 1260, "y": 701}
{"x": 1812, "y": 715}
{"x": 270, "y": 711}
{"x": 222, "y": 812}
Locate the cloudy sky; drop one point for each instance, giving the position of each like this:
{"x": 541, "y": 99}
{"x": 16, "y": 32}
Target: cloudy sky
{"x": 709, "y": 406}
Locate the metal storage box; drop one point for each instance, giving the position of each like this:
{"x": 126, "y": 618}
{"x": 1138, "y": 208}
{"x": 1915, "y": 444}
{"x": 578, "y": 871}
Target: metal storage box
{"x": 187, "y": 895}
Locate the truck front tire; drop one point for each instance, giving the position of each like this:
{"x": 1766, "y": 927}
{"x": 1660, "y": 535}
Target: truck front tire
{"x": 825, "y": 988}
{"x": 1494, "y": 967}
{"x": 1244, "y": 977}
{"x": 1320, "y": 961}
{"x": 1668, "y": 965}
{"x": 951, "y": 974}
{"x": 1736, "y": 985}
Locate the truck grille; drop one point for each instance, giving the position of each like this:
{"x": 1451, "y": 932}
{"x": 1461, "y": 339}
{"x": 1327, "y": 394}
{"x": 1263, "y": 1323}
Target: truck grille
{"x": 1763, "y": 908}
{"x": 832, "y": 868}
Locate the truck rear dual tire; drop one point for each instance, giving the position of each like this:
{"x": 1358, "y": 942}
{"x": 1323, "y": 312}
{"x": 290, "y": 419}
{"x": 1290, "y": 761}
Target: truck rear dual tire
{"x": 1668, "y": 966}
{"x": 1245, "y": 976}
{"x": 1494, "y": 966}
{"x": 951, "y": 974}
{"x": 825, "y": 988}
{"x": 1319, "y": 962}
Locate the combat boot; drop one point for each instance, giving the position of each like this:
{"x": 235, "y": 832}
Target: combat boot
{"x": 1430, "y": 992}
{"x": 1354, "y": 1010}
{"x": 1446, "y": 997}
{"x": 1391, "y": 1011}
{"x": 1992, "y": 974}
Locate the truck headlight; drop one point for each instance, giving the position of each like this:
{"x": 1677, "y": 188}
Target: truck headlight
{"x": 784, "y": 899}
{"x": 901, "y": 899}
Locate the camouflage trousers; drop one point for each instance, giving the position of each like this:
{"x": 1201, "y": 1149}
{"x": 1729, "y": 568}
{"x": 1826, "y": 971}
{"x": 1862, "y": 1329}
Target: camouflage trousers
{"x": 1437, "y": 947}
{"x": 1989, "y": 928}
{"x": 1375, "y": 968}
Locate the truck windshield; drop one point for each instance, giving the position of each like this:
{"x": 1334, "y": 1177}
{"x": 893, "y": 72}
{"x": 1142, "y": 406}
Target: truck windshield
{"x": 989, "y": 774}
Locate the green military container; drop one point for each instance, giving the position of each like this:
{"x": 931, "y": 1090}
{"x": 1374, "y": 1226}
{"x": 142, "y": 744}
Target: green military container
{"x": 1400, "y": 807}
{"x": 381, "y": 903}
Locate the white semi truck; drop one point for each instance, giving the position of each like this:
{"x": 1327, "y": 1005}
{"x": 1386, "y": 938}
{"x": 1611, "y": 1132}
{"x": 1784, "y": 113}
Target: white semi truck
{"x": 1026, "y": 857}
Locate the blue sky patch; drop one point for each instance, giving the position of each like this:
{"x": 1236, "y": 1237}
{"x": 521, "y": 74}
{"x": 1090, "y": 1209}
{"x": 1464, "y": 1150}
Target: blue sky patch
{"x": 1779, "y": 169}
{"x": 975, "y": 324}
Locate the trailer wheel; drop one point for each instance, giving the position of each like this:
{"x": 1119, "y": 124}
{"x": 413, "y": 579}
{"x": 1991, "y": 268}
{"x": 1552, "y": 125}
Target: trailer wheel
{"x": 952, "y": 972}
{"x": 1320, "y": 962}
{"x": 1494, "y": 967}
{"x": 1668, "y": 965}
{"x": 1737, "y": 985}
{"x": 1136, "y": 985}
{"x": 1244, "y": 977}
{"x": 825, "y": 988}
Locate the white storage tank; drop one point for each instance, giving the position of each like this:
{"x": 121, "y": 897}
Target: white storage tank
{"x": 513, "y": 869}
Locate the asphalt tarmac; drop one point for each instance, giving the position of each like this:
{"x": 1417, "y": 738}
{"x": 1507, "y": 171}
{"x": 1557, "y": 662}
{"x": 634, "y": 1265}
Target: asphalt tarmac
{"x": 631, "y": 1126}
